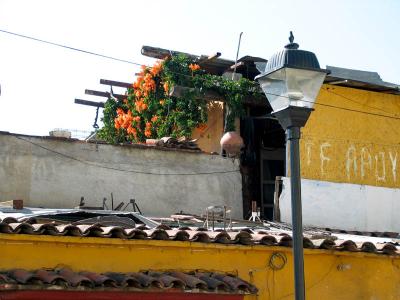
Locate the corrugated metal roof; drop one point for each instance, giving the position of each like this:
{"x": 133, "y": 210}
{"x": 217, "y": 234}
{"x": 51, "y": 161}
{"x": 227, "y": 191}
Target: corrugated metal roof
{"x": 360, "y": 79}
{"x": 64, "y": 278}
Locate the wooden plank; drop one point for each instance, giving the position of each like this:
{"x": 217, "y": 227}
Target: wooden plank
{"x": 89, "y": 103}
{"x": 237, "y": 65}
{"x": 160, "y": 53}
{"x": 277, "y": 210}
{"x": 115, "y": 83}
{"x": 103, "y": 94}
{"x": 206, "y": 59}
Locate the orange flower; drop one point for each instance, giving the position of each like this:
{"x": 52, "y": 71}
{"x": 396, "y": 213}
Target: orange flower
{"x": 162, "y": 102}
{"x": 166, "y": 87}
{"x": 147, "y": 131}
{"x": 154, "y": 119}
{"x": 150, "y": 84}
{"x": 155, "y": 70}
{"x": 194, "y": 67}
{"x": 139, "y": 80}
{"x": 136, "y": 84}
{"x": 138, "y": 105}
{"x": 144, "y": 106}
{"x": 117, "y": 125}
{"x": 138, "y": 93}
{"x": 131, "y": 130}
{"x": 143, "y": 69}
{"x": 136, "y": 119}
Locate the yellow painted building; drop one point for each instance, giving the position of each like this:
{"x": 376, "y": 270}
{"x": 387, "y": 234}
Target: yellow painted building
{"x": 353, "y": 136}
{"x": 330, "y": 274}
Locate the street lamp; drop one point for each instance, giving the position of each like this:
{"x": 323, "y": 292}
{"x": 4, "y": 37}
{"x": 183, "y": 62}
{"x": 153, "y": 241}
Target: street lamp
{"x": 291, "y": 82}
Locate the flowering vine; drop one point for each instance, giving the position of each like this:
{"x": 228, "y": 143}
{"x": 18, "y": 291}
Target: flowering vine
{"x": 149, "y": 111}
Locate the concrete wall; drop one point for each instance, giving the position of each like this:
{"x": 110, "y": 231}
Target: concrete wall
{"x": 56, "y": 173}
{"x": 346, "y": 146}
{"x": 345, "y": 206}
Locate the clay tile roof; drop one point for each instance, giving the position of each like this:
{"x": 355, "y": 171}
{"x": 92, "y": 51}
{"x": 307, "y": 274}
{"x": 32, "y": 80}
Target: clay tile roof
{"x": 18, "y": 279}
{"x": 342, "y": 242}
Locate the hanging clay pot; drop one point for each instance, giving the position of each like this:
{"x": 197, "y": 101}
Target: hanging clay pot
{"x": 232, "y": 142}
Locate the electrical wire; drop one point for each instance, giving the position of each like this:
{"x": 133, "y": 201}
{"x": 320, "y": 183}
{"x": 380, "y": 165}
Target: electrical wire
{"x": 69, "y": 47}
{"x": 122, "y": 170}
{"x": 138, "y": 64}
{"x": 354, "y": 101}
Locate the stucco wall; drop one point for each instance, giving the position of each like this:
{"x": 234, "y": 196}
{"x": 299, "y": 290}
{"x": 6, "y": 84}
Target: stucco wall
{"x": 56, "y": 173}
{"x": 345, "y": 206}
{"x": 341, "y": 145}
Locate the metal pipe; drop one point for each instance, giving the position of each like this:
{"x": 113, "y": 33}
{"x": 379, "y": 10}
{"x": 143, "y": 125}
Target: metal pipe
{"x": 293, "y": 136}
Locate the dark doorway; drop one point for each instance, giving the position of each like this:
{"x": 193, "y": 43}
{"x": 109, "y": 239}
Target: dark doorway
{"x": 262, "y": 161}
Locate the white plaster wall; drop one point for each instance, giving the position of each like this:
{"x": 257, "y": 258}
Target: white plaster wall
{"x": 345, "y": 206}
{"x": 30, "y": 169}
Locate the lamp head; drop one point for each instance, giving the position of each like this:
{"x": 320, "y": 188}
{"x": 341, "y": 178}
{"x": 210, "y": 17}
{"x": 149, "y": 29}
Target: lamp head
{"x": 292, "y": 77}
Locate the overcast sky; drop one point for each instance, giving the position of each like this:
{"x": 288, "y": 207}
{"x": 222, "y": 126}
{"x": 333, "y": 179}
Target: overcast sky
{"x": 39, "y": 82}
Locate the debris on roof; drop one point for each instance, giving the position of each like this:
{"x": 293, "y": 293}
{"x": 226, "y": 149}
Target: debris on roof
{"x": 246, "y": 236}
{"x": 170, "y": 142}
{"x": 64, "y": 278}
{"x": 125, "y": 219}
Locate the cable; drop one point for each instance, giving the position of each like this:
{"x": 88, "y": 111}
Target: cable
{"x": 122, "y": 170}
{"x": 68, "y": 47}
{"x": 138, "y": 64}
{"x": 354, "y": 101}
{"x": 357, "y": 111}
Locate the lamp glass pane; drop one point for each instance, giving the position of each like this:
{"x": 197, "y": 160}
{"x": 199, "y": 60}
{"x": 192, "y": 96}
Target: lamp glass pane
{"x": 292, "y": 87}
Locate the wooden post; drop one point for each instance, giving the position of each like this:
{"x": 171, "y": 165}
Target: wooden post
{"x": 277, "y": 211}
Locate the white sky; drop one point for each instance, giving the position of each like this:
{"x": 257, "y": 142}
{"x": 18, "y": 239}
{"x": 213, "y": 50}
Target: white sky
{"x": 39, "y": 82}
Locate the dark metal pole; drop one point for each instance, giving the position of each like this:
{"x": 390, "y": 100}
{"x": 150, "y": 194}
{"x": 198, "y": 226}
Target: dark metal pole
{"x": 293, "y": 136}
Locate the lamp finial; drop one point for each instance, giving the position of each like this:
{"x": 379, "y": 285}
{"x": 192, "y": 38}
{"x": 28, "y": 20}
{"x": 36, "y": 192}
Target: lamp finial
{"x": 292, "y": 45}
{"x": 291, "y": 37}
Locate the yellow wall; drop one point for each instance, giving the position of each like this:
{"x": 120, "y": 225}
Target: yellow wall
{"x": 208, "y": 139}
{"x": 329, "y": 274}
{"x": 345, "y": 146}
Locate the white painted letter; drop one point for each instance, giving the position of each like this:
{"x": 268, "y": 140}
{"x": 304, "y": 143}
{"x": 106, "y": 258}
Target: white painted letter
{"x": 351, "y": 159}
{"x": 393, "y": 160}
{"x": 366, "y": 160}
{"x": 383, "y": 177}
{"x": 308, "y": 150}
{"x": 323, "y": 157}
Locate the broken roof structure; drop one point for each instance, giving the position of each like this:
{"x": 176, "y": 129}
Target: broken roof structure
{"x": 187, "y": 228}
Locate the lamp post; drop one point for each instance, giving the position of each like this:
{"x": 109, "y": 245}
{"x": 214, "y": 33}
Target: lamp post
{"x": 291, "y": 82}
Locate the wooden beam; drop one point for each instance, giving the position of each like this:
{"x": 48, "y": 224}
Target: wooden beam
{"x": 104, "y": 94}
{"x": 89, "y": 103}
{"x": 237, "y": 65}
{"x": 162, "y": 53}
{"x": 115, "y": 83}
{"x": 204, "y": 59}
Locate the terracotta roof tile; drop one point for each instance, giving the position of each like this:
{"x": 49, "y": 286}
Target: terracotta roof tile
{"x": 200, "y": 235}
{"x": 66, "y": 278}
